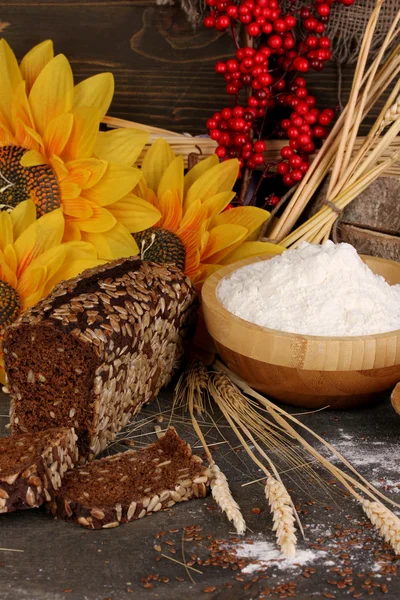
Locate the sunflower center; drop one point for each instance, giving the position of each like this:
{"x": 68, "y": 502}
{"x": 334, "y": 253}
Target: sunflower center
{"x": 10, "y": 305}
{"x": 161, "y": 246}
{"x": 18, "y": 183}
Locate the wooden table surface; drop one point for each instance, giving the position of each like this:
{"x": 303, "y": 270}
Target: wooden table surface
{"x": 63, "y": 561}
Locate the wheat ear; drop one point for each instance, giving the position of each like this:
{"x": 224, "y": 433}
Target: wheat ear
{"x": 391, "y": 114}
{"x": 385, "y": 521}
{"x": 223, "y": 497}
{"x": 283, "y": 517}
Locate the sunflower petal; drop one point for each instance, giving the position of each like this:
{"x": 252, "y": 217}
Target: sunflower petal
{"x": 77, "y": 207}
{"x": 23, "y": 215}
{"x": 116, "y": 183}
{"x": 43, "y": 234}
{"x": 10, "y": 257}
{"x": 220, "y": 178}
{"x": 250, "y": 217}
{"x": 121, "y": 145}
{"x": 34, "y": 62}
{"x": 202, "y": 167}
{"x": 172, "y": 179}
{"x": 155, "y": 162}
{"x": 248, "y": 249}
{"x": 30, "y": 287}
{"x": 57, "y": 133}
{"x": 116, "y": 243}
{"x": 95, "y": 92}
{"x": 193, "y": 218}
{"x": 52, "y": 93}
{"x": 100, "y": 221}
{"x": 80, "y": 250}
{"x": 221, "y": 238}
{"x": 6, "y": 274}
{"x": 88, "y": 170}
{"x": 33, "y": 158}
{"x": 84, "y": 134}
{"x": 6, "y": 230}
{"x": 53, "y": 261}
{"x": 217, "y": 203}
{"x": 170, "y": 204}
{"x": 10, "y": 78}
{"x": 134, "y": 213}
{"x": 21, "y": 111}
{"x": 72, "y": 233}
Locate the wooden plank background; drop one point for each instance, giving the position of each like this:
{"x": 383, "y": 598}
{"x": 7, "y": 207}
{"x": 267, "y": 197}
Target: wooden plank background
{"x": 164, "y": 70}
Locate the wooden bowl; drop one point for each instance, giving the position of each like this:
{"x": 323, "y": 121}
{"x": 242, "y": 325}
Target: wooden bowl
{"x": 305, "y": 370}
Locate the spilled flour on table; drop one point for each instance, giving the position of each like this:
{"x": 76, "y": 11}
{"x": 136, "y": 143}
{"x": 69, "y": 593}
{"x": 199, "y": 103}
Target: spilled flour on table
{"x": 263, "y": 554}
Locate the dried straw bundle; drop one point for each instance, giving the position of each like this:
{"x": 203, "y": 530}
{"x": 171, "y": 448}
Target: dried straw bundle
{"x": 352, "y": 170}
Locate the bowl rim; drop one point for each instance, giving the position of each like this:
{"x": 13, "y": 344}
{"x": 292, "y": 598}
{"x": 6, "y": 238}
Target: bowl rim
{"x": 211, "y": 284}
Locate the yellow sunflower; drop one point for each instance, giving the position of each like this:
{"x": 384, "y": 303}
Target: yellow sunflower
{"x": 51, "y": 151}
{"x": 192, "y": 207}
{"x": 33, "y": 259}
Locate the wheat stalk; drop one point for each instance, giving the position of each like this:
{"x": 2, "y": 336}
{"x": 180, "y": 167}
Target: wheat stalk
{"x": 223, "y": 497}
{"x": 189, "y": 392}
{"x": 384, "y": 521}
{"x": 283, "y": 517}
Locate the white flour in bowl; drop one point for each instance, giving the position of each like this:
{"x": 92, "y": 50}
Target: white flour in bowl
{"x": 321, "y": 290}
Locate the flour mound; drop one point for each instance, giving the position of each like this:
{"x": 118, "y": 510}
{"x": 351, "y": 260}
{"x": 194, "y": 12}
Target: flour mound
{"x": 323, "y": 290}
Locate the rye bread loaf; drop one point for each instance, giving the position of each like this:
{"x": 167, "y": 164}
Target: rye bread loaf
{"x": 32, "y": 466}
{"x": 131, "y": 485}
{"x": 96, "y": 349}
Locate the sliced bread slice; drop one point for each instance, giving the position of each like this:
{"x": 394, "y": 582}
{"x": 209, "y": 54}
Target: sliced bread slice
{"x": 132, "y": 484}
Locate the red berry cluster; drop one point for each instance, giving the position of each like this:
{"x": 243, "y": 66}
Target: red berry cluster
{"x": 231, "y": 129}
{"x": 269, "y": 72}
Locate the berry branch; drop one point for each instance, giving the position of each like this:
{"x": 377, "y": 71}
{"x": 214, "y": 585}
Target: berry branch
{"x": 270, "y": 94}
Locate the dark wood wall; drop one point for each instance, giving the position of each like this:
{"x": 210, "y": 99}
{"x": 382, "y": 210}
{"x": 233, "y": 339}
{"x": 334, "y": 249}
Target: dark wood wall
{"x": 164, "y": 70}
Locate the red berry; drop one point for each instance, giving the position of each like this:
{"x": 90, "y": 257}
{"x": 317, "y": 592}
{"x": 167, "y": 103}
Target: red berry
{"x": 302, "y": 108}
{"x": 215, "y": 134}
{"x": 293, "y": 133}
{"x": 301, "y": 64}
{"x": 275, "y": 41}
{"x": 304, "y": 139}
{"x": 319, "y": 132}
{"x": 285, "y": 124}
{"x": 273, "y": 201}
{"x": 287, "y": 180}
{"x": 297, "y": 175}
{"x": 280, "y": 25}
{"x": 300, "y": 82}
{"x": 323, "y": 10}
{"x": 311, "y": 41}
{"x": 310, "y": 24}
{"x": 252, "y": 102}
{"x": 232, "y": 89}
{"x": 209, "y": 22}
{"x": 294, "y": 144}
{"x": 245, "y": 19}
{"x": 290, "y": 21}
{"x": 222, "y": 23}
{"x": 282, "y": 168}
{"x": 265, "y": 79}
{"x": 324, "y": 42}
{"x": 286, "y": 152}
{"x": 220, "y": 67}
{"x": 226, "y": 113}
{"x": 251, "y": 164}
{"x": 320, "y": 28}
{"x": 254, "y": 29}
{"x": 260, "y": 146}
{"x": 295, "y": 161}
{"x": 220, "y": 152}
{"x": 258, "y": 158}
{"x": 232, "y": 11}
{"x": 211, "y": 124}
